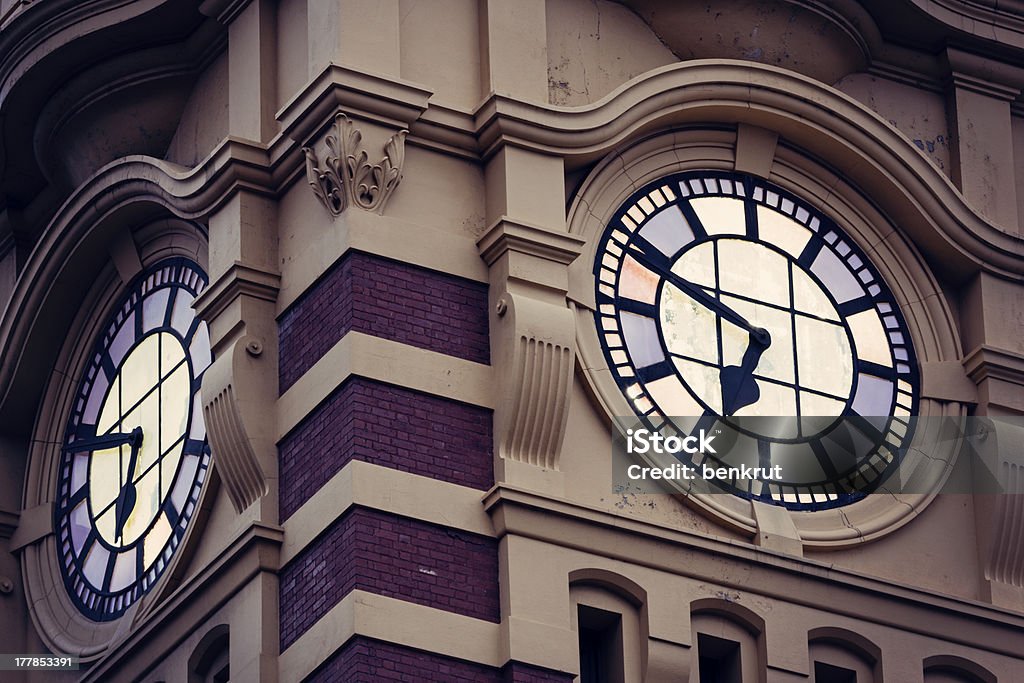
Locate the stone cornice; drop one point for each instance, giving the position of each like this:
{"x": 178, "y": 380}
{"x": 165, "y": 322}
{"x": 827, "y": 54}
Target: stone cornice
{"x": 379, "y": 99}
{"x": 506, "y": 235}
{"x": 988, "y": 362}
{"x": 809, "y": 114}
{"x": 791, "y": 579}
{"x": 239, "y": 280}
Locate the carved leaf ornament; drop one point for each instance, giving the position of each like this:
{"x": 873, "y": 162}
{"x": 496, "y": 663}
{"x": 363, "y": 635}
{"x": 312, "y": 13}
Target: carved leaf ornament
{"x": 347, "y": 178}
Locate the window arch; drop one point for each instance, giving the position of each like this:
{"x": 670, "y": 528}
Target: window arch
{"x": 729, "y": 642}
{"x": 609, "y": 615}
{"x": 211, "y": 660}
{"x": 841, "y": 656}
{"x": 953, "y": 669}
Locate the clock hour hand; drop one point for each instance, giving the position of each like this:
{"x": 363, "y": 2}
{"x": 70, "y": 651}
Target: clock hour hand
{"x": 739, "y": 389}
{"x": 108, "y": 440}
{"x": 698, "y": 294}
{"x": 128, "y": 495}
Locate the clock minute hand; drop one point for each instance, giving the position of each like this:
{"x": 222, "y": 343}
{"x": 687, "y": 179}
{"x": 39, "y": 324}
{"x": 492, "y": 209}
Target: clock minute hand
{"x": 106, "y": 441}
{"x": 702, "y": 297}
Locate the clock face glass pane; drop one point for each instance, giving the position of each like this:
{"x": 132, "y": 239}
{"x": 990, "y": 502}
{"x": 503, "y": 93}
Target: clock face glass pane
{"x": 724, "y": 301}
{"x": 134, "y": 454}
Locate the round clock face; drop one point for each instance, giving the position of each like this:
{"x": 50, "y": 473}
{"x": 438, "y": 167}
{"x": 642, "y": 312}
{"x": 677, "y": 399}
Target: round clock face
{"x": 725, "y": 303}
{"x": 135, "y": 452}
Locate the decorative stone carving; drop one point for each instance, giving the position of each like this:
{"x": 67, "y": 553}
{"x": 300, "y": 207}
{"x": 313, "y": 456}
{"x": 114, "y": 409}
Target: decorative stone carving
{"x": 533, "y": 335}
{"x": 239, "y": 389}
{"x": 346, "y": 178}
{"x": 240, "y": 469}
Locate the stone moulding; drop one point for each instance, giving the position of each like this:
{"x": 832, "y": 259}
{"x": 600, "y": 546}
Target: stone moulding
{"x": 346, "y": 178}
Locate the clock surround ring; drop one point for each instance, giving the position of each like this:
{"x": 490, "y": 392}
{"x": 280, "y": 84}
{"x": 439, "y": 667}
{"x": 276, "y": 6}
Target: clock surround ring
{"x": 714, "y": 149}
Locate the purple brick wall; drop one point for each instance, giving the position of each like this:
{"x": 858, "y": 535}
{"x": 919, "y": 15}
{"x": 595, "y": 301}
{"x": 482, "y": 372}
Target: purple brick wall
{"x": 517, "y": 672}
{"x": 392, "y": 556}
{"x": 389, "y": 426}
{"x": 363, "y": 660}
{"x": 387, "y": 299}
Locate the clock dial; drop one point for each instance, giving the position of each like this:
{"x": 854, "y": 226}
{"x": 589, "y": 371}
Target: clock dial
{"x": 135, "y": 453}
{"x": 724, "y": 300}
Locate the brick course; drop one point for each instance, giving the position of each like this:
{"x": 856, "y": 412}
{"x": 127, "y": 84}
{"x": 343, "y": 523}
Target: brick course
{"x": 393, "y": 556}
{"x": 386, "y": 299}
{"x": 364, "y": 660}
{"x": 389, "y": 426}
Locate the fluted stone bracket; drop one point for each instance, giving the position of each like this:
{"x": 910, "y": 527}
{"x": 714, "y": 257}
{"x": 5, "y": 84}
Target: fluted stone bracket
{"x": 344, "y": 177}
{"x": 998, "y": 471}
{"x": 239, "y": 388}
{"x": 533, "y": 339}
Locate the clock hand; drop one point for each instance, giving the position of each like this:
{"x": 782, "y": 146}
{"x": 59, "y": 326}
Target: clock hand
{"x": 698, "y": 294}
{"x": 105, "y": 441}
{"x": 126, "y": 498}
{"x": 738, "y": 386}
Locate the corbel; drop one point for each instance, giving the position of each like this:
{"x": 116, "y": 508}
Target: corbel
{"x": 240, "y": 387}
{"x": 532, "y": 341}
{"x": 997, "y": 464}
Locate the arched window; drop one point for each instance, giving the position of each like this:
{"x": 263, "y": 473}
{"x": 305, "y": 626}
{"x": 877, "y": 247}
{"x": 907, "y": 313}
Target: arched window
{"x": 729, "y": 642}
{"x": 210, "y": 661}
{"x": 840, "y": 656}
{"x": 952, "y": 669}
{"x": 609, "y": 616}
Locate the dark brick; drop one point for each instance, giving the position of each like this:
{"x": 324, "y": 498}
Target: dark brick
{"x": 392, "y": 556}
{"x": 388, "y": 426}
{"x": 364, "y": 660}
{"x": 386, "y": 299}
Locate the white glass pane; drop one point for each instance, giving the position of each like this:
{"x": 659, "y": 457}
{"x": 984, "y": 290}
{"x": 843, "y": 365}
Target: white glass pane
{"x": 836, "y": 276}
{"x": 156, "y": 540}
{"x": 80, "y": 526}
{"x": 824, "y": 359}
{"x": 124, "y": 570}
{"x": 176, "y": 402}
{"x": 869, "y": 338}
{"x": 703, "y": 380}
{"x": 105, "y": 478}
{"x": 720, "y": 215}
{"x": 808, "y": 297}
{"x": 140, "y": 371}
{"x": 96, "y": 394}
{"x": 874, "y": 396}
{"x": 95, "y": 566}
{"x": 753, "y": 271}
{"x": 668, "y": 231}
{"x": 123, "y": 340}
{"x": 817, "y": 405}
{"x": 183, "y": 315}
{"x": 689, "y": 327}
{"x": 781, "y": 231}
{"x": 697, "y": 265}
{"x": 200, "y": 349}
{"x": 183, "y": 482}
{"x": 635, "y": 282}
{"x": 198, "y": 431}
{"x": 641, "y": 339}
{"x": 673, "y": 399}
{"x": 154, "y": 307}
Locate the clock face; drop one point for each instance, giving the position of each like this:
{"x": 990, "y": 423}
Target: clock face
{"x": 135, "y": 453}
{"x": 726, "y": 303}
